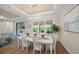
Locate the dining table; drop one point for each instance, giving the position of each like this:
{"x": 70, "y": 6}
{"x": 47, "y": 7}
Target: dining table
{"x": 46, "y": 41}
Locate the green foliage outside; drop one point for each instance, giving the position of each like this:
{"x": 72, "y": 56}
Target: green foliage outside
{"x": 49, "y": 29}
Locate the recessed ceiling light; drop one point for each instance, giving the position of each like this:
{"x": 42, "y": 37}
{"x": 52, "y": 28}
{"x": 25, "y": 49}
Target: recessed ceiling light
{"x": 2, "y": 17}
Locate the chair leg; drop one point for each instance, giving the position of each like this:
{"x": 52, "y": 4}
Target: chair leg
{"x": 54, "y": 50}
{"x": 33, "y": 51}
{"x": 18, "y": 45}
{"x": 27, "y": 49}
{"x": 22, "y": 48}
{"x": 51, "y": 49}
{"x": 40, "y": 51}
{"x": 46, "y": 49}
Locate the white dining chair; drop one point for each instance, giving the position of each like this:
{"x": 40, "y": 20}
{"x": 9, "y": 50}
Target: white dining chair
{"x": 49, "y": 47}
{"x": 19, "y": 42}
{"x": 37, "y": 45}
{"x": 52, "y": 46}
{"x": 24, "y": 43}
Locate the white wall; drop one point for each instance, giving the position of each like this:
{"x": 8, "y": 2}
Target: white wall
{"x": 70, "y": 40}
{"x": 6, "y": 26}
{"x": 0, "y": 27}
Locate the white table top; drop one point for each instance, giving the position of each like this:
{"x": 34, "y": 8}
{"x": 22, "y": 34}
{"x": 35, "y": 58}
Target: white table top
{"x": 43, "y": 41}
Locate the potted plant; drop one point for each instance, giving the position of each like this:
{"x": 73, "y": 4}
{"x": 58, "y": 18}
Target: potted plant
{"x": 54, "y": 29}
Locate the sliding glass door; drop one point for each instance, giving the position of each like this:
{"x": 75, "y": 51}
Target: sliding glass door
{"x": 20, "y": 28}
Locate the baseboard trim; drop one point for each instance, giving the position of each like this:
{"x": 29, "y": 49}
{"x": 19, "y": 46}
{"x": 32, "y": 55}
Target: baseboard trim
{"x": 68, "y": 50}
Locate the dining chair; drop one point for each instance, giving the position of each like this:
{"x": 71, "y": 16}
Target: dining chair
{"x": 19, "y": 40}
{"x": 52, "y": 46}
{"x": 37, "y": 45}
{"x": 24, "y": 43}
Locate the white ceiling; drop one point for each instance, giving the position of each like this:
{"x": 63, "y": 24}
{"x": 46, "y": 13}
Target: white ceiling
{"x": 15, "y": 13}
{"x": 35, "y": 8}
{"x": 7, "y": 14}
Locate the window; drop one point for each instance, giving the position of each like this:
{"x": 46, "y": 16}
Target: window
{"x": 48, "y": 26}
{"x": 42, "y": 26}
{"x": 35, "y": 27}
{"x": 20, "y": 28}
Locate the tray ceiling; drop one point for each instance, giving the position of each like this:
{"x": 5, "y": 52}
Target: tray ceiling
{"x": 34, "y": 8}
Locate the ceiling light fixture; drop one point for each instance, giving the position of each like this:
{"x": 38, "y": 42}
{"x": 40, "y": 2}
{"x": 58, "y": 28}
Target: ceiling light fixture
{"x": 2, "y": 17}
